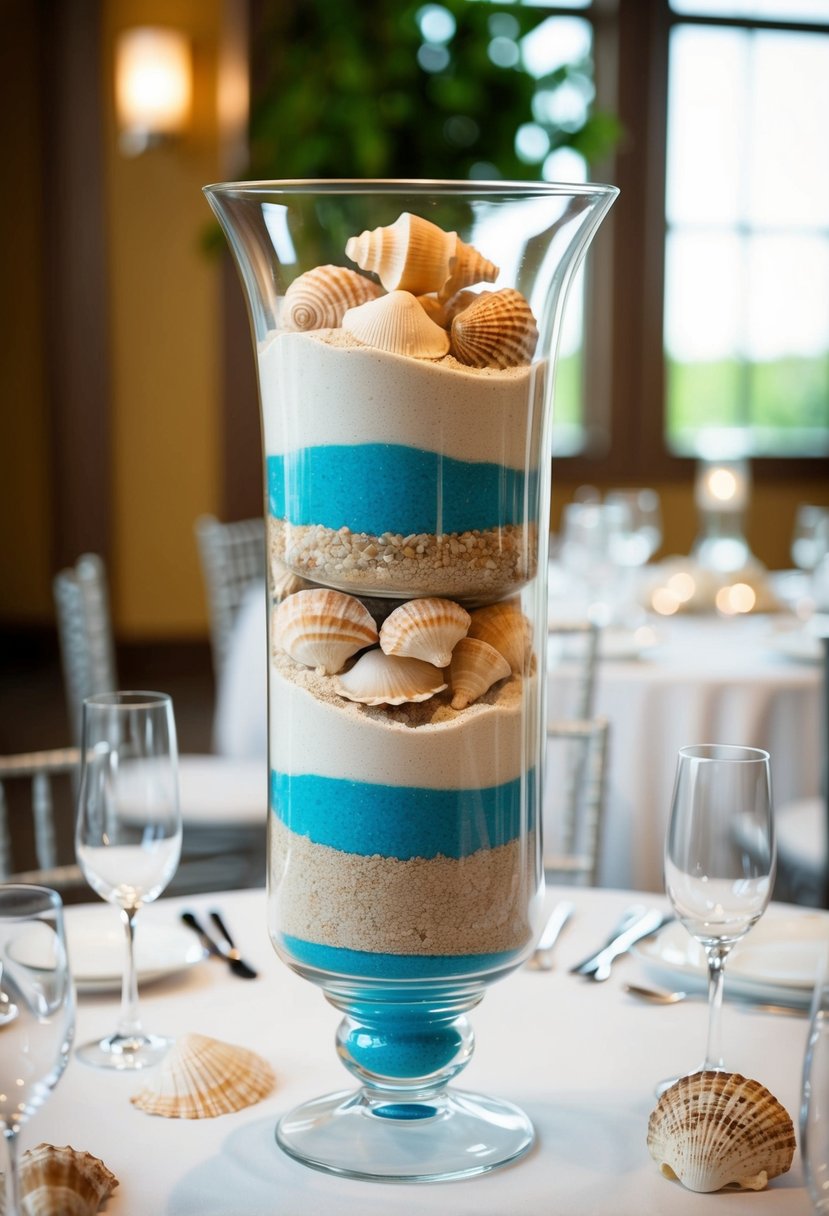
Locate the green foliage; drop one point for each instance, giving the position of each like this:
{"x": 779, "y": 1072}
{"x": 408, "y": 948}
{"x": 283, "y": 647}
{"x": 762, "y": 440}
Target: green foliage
{"x": 350, "y": 88}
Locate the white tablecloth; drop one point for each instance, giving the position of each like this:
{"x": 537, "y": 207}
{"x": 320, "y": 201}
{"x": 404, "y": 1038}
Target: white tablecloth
{"x": 581, "y": 1058}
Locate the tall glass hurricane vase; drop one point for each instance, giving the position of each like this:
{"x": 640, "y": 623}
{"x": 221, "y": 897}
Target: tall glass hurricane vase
{"x": 405, "y": 335}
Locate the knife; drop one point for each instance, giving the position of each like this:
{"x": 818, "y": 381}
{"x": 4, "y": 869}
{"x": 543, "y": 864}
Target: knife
{"x": 220, "y": 949}
{"x": 598, "y": 968}
{"x": 629, "y": 917}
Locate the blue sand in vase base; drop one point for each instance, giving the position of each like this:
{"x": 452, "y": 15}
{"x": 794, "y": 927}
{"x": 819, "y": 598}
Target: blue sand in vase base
{"x": 393, "y": 966}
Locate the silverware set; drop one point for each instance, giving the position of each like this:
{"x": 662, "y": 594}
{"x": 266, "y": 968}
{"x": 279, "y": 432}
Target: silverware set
{"x": 222, "y": 947}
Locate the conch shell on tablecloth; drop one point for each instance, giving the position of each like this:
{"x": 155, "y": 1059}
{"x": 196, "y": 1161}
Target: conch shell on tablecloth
{"x": 389, "y": 679}
{"x": 398, "y": 324}
{"x": 475, "y": 667}
{"x": 62, "y": 1182}
{"x": 497, "y": 329}
{"x": 425, "y": 629}
{"x": 717, "y": 1129}
{"x": 201, "y": 1078}
{"x": 322, "y": 629}
{"x": 504, "y": 626}
{"x": 413, "y": 254}
{"x": 320, "y": 298}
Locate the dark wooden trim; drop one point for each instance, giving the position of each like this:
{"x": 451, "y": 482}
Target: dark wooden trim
{"x": 241, "y": 494}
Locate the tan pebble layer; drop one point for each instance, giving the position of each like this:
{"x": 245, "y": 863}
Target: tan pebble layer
{"x": 489, "y": 563}
{"x": 475, "y": 905}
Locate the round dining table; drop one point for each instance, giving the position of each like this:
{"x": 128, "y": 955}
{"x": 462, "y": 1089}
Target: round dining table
{"x": 582, "y": 1058}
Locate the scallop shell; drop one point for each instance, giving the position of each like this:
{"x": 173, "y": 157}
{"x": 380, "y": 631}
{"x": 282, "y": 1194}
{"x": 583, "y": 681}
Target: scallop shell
{"x": 461, "y": 300}
{"x": 506, "y": 628}
{"x": 475, "y": 667}
{"x": 467, "y": 266}
{"x": 320, "y": 298}
{"x": 397, "y": 323}
{"x": 201, "y": 1078}
{"x": 390, "y": 679}
{"x": 63, "y": 1182}
{"x": 496, "y": 330}
{"x": 412, "y": 254}
{"x": 716, "y": 1129}
{"x": 322, "y": 628}
{"x": 425, "y": 629}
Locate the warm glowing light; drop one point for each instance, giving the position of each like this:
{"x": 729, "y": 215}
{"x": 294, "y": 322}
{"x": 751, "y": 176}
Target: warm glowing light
{"x": 736, "y": 598}
{"x": 683, "y": 585}
{"x": 664, "y": 601}
{"x": 723, "y": 601}
{"x": 723, "y": 484}
{"x": 152, "y": 85}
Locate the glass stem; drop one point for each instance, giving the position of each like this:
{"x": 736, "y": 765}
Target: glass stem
{"x": 12, "y": 1207}
{"x": 716, "y": 956}
{"x": 129, "y": 1023}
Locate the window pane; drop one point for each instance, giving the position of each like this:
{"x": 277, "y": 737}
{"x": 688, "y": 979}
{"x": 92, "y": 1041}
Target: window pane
{"x": 767, "y": 10}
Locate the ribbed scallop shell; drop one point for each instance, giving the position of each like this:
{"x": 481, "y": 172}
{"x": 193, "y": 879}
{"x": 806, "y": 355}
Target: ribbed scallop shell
{"x": 322, "y": 628}
{"x": 63, "y": 1182}
{"x": 201, "y": 1078}
{"x": 467, "y": 266}
{"x": 412, "y": 254}
{"x": 475, "y": 667}
{"x": 717, "y": 1129}
{"x": 389, "y": 679}
{"x": 320, "y": 298}
{"x": 397, "y": 323}
{"x": 425, "y": 629}
{"x": 506, "y": 628}
{"x": 496, "y": 330}
{"x": 461, "y": 300}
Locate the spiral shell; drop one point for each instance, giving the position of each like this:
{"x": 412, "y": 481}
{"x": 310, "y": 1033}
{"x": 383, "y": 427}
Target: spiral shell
{"x": 322, "y": 628}
{"x": 397, "y": 323}
{"x": 385, "y": 679}
{"x": 201, "y": 1078}
{"x": 716, "y": 1129}
{"x": 496, "y": 330}
{"x": 506, "y": 628}
{"x": 467, "y": 266}
{"x": 412, "y": 254}
{"x": 63, "y": 1182}
{"x": 425, "y": 629}
{"x": 320, "y": 298}
{"x": 475, "y": 667}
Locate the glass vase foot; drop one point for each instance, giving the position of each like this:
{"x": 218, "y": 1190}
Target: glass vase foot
{"x": 386, "y": 1137}
{"x": 125, "y": 1052}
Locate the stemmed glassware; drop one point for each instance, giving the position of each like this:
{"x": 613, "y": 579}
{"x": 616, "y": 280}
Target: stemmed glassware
{"x": 720, "y": 857}
{"x": 128, "y": 837}
{"x": 37, "y": 1012}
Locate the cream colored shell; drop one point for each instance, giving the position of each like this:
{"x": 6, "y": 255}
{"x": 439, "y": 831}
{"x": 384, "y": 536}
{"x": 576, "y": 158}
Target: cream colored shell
{"x": 398, "y": 324}
{"x": 467, "y": 266}
{"x": 425, "y": 629}
{"x": 496, "y": 330}
{"x": 63, "y": 1182}
{"x": 320, "y": 298}
{"x": 415, "y": 255}
{"x": 389, "y": 679}
{"x": 322, "y": 629}
{"x": 717, "y": 1129}
{"x": 475, "y": 667}
{"x": 504, "y": 626}
{"x": 201, "y": 1078}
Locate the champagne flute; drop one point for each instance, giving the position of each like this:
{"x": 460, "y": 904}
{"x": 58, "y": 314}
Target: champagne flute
{"x": 720, "y": 857}
{"x": 128, "y": 837}
{"x": 37, "y": 1012}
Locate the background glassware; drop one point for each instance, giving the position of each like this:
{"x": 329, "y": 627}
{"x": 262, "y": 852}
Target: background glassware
{"x": 720, "y": 857}
{"x": 128, "y": 837}
{"x": 810, "y": 537}
{"x": 814, "y": 1107}
{"x": 37, "y": 1012}
{"x": 640, "y": 535}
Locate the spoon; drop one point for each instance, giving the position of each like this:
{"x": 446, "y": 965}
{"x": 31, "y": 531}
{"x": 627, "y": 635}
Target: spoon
{"x": 659, "y": 996}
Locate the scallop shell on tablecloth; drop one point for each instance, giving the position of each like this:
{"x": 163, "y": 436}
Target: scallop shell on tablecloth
{"x": 62, "y": 1182}
{"x": 201, "y": 1078}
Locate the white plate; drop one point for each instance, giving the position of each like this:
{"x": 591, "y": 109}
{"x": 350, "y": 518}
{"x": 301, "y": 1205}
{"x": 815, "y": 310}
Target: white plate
{"x": 97, "y": 949}
{"x": 777, "y": 960}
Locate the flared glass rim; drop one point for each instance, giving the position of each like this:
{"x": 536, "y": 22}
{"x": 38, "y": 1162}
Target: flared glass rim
{"x": 734, "y": 753}
{"x": 426, "y": 186}
{"x": 128, "y": 699}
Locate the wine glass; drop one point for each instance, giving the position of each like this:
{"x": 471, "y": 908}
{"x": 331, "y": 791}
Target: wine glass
{"x": 809, "y": 536}
{"x": 37, "y": 1012}
{"x": 128, "y": 837}
{"x": 720, "y": 857}
{"x": 635, "y": 543}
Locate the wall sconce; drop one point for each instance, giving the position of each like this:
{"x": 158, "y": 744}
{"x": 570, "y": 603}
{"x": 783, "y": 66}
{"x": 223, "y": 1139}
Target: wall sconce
{"x": 153, "y": 86}
{"x": 721, "y": 494}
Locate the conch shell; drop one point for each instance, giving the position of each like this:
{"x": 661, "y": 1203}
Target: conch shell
{"x": 322, "y": 628}
{"x": 496, "y": 330}
{"x": 320, "y": 298}
{"x": 425, "y": 629}
{"x": 475, "y": 667}
{"x": 397, "y": 323}
{"x": 506, "y": 628}
{"x": 63, "y": 1182}
{"x": 385, "y": 679}
{"x": 716, "y": 1129}
{"x": 201, "y": 1078}
{"x": 413, "y": 254}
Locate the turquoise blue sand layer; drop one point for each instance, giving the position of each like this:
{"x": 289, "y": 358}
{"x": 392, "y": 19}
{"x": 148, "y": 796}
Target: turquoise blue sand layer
{"x": 381, "y": 487}
{"x": 392, "y": 966}
{"x": 401, "y": 821}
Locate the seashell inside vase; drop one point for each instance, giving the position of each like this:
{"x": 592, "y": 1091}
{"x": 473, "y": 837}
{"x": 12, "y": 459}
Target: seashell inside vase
{"x": 467, "y": 266}
{"x": 396, "y": 323}
{"x": 475, "y": 667}
{"x": 497, "y": 329}
{"x": 504, "y": 626}
{"x": 425, "y": 629}
{"x": 320, "y": 298}
{"x": 412, "y": 254}
{"x": 321, "y": 628}
{"x": 63, "y": 1182}
{"x": 201, "y": 1078}
{"x": 389, "y": 679}
{"x": 717, "y": 1129}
